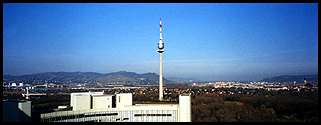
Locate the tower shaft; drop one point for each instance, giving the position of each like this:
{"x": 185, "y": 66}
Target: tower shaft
{"x": 160, "y": 76}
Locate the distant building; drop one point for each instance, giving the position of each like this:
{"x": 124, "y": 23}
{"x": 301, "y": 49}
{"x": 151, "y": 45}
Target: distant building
{"x": 13, "y": 84}
{"x": 307, "y": 84}
{"x": 52, "y": 85}
{"x": 16, "y": 111}
{"x": 100, "y": 107}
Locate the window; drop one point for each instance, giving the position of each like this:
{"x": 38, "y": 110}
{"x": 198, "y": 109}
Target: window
{"x": 113, "y": 101}
{"x": 91, "y": 102}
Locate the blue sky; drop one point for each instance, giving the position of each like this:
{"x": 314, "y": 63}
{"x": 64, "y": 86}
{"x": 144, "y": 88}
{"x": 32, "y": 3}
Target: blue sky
{"x": 202, "y": 41}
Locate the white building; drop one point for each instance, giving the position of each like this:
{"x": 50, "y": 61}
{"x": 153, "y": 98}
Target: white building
{"x": 100, "y": 107}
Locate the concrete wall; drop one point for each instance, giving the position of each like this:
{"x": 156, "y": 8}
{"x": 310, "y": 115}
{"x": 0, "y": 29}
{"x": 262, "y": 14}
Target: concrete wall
{"x": 185, "y": 113}
{"x": 102, "y": 102}
{"x": 124, "y": 99}
{"x": 25, "y": 107}
{"x": 72, "y": 95}
{"x": 81, "y": 102}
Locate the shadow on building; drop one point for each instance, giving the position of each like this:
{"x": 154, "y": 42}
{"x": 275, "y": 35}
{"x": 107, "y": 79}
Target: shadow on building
{"x": 16, "y": 111}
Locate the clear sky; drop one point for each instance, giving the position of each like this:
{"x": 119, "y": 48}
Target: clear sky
{"x": 202, "y": 41}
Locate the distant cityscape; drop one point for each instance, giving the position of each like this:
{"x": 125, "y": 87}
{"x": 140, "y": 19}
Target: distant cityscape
{"x": 123, "y": 78}
{"x": 51, "y": 86}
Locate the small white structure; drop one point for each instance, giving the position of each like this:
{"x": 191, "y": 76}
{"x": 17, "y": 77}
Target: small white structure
{"x": 27, "y": 95}
{"x": 13, "y": 84}
{"x": 62, "y": 107}
{"x": 100, "y": 107}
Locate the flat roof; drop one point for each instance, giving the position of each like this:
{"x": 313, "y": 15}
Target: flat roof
{"x": 103, "y": 95}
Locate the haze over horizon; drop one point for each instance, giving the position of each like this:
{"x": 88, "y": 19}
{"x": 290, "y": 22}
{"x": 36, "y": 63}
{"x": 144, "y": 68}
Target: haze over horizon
{"x": 202, "y": 41}
{"x": 168, "y": 77}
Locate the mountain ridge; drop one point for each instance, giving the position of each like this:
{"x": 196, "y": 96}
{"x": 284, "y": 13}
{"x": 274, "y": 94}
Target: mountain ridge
{"x": 113, "y": 77}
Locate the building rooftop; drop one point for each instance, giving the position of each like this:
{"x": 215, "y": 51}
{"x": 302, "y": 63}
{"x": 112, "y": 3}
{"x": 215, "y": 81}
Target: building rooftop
{"x": 103, "y": 95}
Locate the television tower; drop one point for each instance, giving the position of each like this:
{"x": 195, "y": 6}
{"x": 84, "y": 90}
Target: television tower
{"x": 160, "y": 51}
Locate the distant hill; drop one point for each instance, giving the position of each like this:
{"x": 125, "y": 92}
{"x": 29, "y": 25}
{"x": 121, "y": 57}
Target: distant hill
{"x": 114, "y": 77}
{"x": 292, "y": 78}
